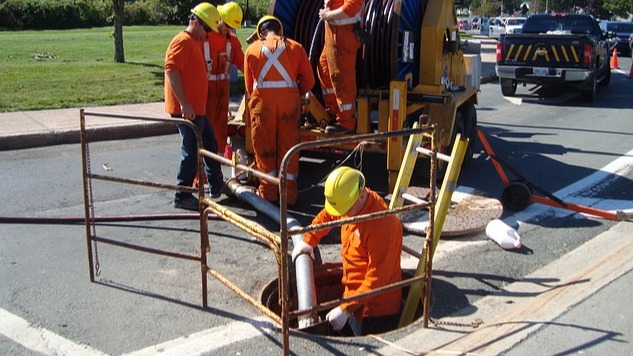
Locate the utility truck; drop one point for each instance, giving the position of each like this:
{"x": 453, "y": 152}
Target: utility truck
{"x": 555, "y": 49}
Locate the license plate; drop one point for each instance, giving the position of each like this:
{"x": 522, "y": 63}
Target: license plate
{"x": 541, "y": 72}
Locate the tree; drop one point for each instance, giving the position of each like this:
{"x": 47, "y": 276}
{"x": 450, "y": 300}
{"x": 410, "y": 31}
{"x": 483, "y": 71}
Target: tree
{"x": 119, "y": 8}
{"x": 622, "y": 8}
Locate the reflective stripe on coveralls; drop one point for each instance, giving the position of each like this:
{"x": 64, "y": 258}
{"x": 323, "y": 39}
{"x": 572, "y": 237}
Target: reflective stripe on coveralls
{"x": 273, "y": 60}
{"x": 289, "y": 176}
{"x": 209, "y": 60}
{"x": 348, "y": 20}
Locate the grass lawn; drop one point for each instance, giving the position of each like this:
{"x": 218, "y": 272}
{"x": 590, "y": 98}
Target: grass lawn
{"x": 75, "y": 68}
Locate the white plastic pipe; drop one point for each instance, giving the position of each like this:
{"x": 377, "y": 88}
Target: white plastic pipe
{"x": 304, "y": 272}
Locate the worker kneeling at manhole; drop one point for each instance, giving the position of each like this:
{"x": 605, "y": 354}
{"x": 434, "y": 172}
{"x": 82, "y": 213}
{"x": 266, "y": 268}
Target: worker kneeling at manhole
{"x": 370, "y": 255}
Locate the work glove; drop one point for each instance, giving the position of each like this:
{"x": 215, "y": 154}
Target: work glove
{"x": 337, "y": 317}
{"x": 300, "y": 248}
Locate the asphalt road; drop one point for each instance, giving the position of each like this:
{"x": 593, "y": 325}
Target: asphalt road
{"x": 146, "y": 304}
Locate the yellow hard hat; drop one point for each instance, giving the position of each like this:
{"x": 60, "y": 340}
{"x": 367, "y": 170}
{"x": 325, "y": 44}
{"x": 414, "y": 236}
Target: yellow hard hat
{"x": 266, "y": 19}
{"x": 208, "y": 14}
{"x": 231, "y": 13}
{"x": 342, "y": 188}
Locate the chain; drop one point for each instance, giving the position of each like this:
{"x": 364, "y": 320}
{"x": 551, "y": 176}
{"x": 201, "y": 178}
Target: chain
{"x": 356, "y": 155}
{"x": 474, "y": 324}
{"x": 92, "y": 210}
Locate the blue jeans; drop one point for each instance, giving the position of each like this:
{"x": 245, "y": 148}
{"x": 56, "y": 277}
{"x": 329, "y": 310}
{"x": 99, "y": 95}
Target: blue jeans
{"x": 189, "y": 157}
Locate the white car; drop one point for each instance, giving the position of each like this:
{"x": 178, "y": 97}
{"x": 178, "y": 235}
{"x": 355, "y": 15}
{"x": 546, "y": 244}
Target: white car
{"x": 514, "y": 25}
{"x": 496, "y": 27}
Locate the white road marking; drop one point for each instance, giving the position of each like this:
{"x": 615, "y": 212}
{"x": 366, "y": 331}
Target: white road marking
{"x": 570, "y": 194}
{"x": 208, "y": 340}
{"x": 39, "y": 339}
{"x": 513, "y": 100}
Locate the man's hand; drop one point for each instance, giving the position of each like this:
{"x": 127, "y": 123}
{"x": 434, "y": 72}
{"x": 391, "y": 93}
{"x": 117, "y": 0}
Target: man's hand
{"x": 187, "y": 111}
{"x": 300, "y": 248}
{"x": 337, "y": 317}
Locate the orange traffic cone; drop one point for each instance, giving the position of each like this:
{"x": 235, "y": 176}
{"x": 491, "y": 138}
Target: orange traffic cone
{"x": 614, "y": 60}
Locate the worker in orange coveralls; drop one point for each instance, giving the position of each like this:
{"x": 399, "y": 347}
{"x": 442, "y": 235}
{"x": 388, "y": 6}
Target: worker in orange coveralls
{"x": 221, "y": 50}
{"x": 370, "y": 253}
{"x": 337, "y": 64}
{"x": 277, "y": 73}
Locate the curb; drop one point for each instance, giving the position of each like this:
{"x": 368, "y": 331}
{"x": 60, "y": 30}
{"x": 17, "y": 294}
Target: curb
{"x": 72, "y": 136}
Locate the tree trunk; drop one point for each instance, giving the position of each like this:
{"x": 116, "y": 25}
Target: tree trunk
{"x": 119, "y": 6}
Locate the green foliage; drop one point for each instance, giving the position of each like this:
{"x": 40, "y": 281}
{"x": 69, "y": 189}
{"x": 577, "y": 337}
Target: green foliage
{"x": 490, "y": 9}
{"x": 145, "y": 12}
{"x": 67, "y": 14}
{"x": 622, "y": 8}
{"x": 52, "y": 14}
{"x": 256, "y": 9}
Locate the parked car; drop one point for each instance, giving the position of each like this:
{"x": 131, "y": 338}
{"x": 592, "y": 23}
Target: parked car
{"x": 464, "y": 25}
{"x": 496, "y": 27}
{"x": 514, "y": 24}
{"x": 618, "y": 34}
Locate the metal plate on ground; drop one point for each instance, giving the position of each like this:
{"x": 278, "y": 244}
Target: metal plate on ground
{"x": 470, "y": 212}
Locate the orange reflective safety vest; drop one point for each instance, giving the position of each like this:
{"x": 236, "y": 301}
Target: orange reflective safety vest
{"x": 183, "y": 55}
{"x": 370, "y": 253}
{"x": 277, "y": 73}
{"x": 337, "y": 64}
{"x": 220, "y": 52}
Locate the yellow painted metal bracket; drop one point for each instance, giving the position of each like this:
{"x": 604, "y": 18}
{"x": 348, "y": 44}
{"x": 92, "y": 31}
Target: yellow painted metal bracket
{"x": 406, "y": 169}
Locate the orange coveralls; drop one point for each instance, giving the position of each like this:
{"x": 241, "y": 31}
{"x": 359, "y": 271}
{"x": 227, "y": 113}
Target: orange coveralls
{"x": 220, "y": 52}
{"x": 337, "y": 64}
{"x": 277, "y": 72}
{"x": 371, "y": 257}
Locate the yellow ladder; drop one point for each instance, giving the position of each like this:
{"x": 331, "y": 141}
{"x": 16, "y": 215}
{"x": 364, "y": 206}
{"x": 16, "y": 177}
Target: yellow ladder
{"x": 439, "y": 213}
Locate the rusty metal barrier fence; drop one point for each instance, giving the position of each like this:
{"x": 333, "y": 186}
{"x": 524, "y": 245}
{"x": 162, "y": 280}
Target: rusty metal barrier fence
{"x": 276, "y": 241}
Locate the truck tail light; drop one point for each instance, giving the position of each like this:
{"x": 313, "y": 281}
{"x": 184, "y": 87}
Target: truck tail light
{"x": 499, "y": 55}
{"x": 587, "y": 54}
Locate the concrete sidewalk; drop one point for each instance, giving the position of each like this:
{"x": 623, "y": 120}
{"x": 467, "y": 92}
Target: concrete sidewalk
{"x": 53, "y": 127}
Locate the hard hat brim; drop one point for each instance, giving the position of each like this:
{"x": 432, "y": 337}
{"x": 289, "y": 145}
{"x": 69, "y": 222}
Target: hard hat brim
{"x": 337, "y": 211}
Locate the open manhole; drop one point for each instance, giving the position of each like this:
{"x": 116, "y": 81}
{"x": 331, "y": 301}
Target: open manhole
{"x": 327, "y": 278}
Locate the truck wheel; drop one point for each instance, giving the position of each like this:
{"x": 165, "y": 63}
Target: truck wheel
{"x": 461, "y": 128}
{"x": 605, "y": 79}
{"x": 589, "y": 92}
{"x": 508, "y": 87}
{"x": 469, "y": 114}
{"x": 516, "y": 196}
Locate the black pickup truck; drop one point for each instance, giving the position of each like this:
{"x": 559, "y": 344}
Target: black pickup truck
{"x": 555, "y": 49}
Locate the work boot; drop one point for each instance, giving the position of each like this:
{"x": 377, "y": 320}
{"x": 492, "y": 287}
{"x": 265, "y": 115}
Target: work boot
{"x": 216, "y": 190}
{"x": 188, "y": 203}
{"x": 336, "y": 129}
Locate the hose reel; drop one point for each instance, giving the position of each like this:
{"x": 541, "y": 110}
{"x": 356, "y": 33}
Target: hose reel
{"x": 394, "y": 32}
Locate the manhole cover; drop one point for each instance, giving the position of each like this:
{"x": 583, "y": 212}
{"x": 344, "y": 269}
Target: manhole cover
{"x": 470, "y": 212}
